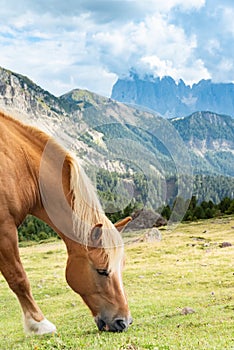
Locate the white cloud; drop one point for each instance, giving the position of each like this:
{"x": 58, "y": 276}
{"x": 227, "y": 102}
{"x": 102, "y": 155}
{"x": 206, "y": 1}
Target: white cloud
{"x": 165, "y": 6}
{"x": 213, "y": 46}
{"x": 102, "y": 10}
{"x": 50, "y": 49}
{"x": 227, "y": 15}
{"x": 226, "y": 65}
{"x": 151, "y": 46}
{"x": 86, "y": 43}
{"x": 158, "y": 67}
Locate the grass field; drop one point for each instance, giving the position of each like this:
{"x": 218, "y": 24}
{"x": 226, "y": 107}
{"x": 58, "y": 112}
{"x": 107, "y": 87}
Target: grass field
{"x": 187, "y": 268}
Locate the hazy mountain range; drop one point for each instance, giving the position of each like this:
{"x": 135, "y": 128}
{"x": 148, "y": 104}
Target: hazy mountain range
{"x": 122, "y": 138}
{"x": 171, "y": 99}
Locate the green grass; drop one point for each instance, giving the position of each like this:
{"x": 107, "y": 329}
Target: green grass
{"x": 186, "y": 269}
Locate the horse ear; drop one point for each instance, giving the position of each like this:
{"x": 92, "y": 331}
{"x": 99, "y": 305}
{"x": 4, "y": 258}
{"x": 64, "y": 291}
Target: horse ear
{"x": 120, "y": 225}
{"x": 96, "y": 235}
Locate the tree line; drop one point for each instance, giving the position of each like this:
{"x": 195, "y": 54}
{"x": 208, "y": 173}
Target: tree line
{"x": 212, "y": 197}
{"x": 195, "y": 210}
{"x": 34, "y": 229}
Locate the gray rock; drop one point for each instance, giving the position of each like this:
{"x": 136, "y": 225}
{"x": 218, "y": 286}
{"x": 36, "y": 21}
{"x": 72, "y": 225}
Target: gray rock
{"x": 187, "y": 310}
{"x": 144, "y": 219}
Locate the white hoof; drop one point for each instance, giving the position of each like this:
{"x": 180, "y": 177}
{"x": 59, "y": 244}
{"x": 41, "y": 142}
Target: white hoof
{"x": 43, "y": 327}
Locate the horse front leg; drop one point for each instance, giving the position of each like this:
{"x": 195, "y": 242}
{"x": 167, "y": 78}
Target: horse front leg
{"x": 14, "y": 273}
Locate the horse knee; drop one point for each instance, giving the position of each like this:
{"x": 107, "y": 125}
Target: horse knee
{"x": 20, "y": 286}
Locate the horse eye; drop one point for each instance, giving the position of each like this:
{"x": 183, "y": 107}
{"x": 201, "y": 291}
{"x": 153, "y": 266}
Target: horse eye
{"x": 103, "y": 272}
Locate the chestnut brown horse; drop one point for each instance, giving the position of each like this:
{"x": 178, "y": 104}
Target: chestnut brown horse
{"x": 38, "y": 177}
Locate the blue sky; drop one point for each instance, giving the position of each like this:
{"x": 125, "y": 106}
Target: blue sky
{"x": 62, "y": 45}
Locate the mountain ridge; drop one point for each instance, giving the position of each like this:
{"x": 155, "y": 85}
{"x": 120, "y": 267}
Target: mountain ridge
{"x": 116, "y": 136}
{"x": 171, "y": 99}
{"x": 210, "y": 137}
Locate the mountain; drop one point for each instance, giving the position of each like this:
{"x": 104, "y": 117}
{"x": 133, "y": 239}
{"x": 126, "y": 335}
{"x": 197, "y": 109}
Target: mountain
{"x": 129, "y": 151}
{"x": 210, "y": 139}
{"x": 20, "y": 97}
{"x": 172, "y": 99}
{"x": 80, "y": 120}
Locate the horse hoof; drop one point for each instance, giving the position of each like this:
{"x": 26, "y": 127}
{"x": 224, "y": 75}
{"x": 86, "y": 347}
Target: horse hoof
{"x": 39, "y": 328}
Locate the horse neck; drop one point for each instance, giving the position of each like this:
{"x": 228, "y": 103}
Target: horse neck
{"x": 87, "y": 210}
{"x": 69, "y": 200}
{"x": 55, "y": 207}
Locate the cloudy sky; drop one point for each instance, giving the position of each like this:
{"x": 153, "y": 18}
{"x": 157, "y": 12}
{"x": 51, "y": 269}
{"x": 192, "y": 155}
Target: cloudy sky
{"x": 62, "y": 45}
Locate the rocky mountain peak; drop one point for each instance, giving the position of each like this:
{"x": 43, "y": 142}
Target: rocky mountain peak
{"x": 172, "y": 99}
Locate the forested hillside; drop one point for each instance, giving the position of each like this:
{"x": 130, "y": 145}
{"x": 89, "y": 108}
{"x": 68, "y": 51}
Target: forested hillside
{"x": 210, "y": 139}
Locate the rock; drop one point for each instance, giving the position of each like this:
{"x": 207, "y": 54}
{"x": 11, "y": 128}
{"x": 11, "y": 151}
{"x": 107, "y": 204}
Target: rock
{"x": 225, "y": 244}
{"x": 152, "y": 235}
{"x": 144, "y": 219}
{"x": 187, "y": 310}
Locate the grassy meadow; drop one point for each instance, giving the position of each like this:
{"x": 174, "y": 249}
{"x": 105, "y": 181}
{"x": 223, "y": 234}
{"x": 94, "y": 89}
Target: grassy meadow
{"x": 188, "y": 268}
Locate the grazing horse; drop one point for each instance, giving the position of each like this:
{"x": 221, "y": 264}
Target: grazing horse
{"x": 40, "y": 178}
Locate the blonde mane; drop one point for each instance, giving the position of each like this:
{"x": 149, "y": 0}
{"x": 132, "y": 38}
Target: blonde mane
{"x": 86, "y": 208}
{"x": 88, "y": 212}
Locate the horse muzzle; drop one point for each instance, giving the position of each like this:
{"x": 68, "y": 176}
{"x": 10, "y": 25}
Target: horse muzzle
{"x": 117, "y": 325}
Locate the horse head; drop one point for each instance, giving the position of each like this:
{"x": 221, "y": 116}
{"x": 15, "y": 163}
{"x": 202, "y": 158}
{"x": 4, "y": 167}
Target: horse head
{"x": 95, "y": 273}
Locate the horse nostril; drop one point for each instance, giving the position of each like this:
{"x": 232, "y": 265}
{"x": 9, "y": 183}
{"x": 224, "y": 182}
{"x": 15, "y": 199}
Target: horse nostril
{"x": 101, "y": 324}
{"x": 120, "y": 325}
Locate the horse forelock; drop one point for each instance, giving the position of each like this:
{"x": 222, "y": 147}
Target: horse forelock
{"x": 88, "y": 212}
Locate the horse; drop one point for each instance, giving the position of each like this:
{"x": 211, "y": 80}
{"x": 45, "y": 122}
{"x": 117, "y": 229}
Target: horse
{"x": 39, "y": 177}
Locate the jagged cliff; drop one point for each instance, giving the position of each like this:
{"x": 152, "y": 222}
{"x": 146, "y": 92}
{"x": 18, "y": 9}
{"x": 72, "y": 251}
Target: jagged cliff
{"x": 172, "y": 99}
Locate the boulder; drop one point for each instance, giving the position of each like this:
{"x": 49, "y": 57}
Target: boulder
{"x": 145, "y": 219}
